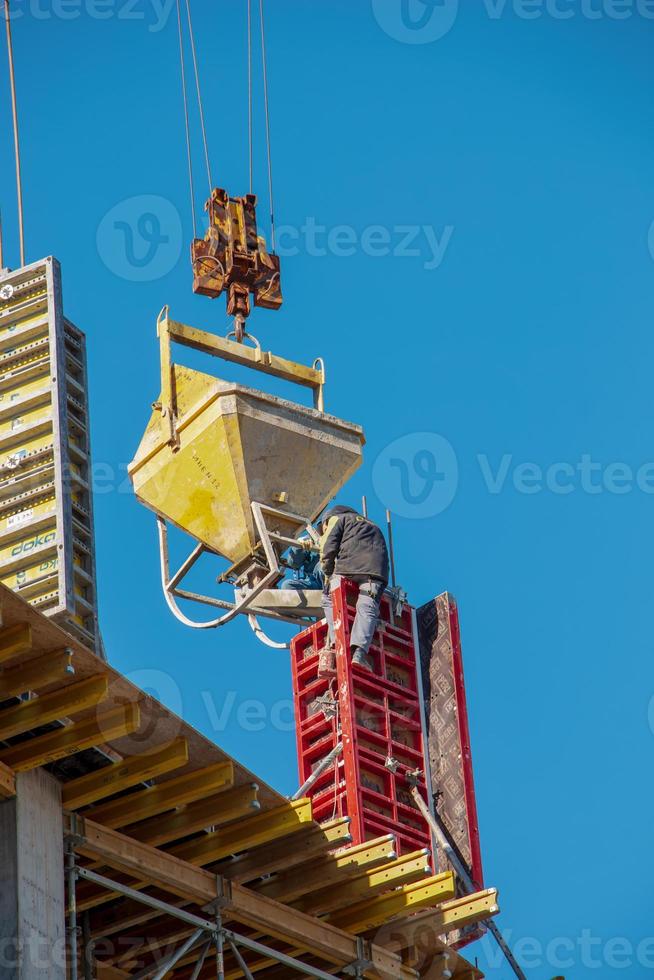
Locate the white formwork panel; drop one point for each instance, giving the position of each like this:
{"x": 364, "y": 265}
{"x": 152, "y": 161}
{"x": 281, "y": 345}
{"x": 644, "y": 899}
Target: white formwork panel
{"x": 47, "y": 549}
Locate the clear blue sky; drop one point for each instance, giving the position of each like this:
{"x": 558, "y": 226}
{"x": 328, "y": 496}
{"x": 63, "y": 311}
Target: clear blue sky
{"x": 519, "y": 331}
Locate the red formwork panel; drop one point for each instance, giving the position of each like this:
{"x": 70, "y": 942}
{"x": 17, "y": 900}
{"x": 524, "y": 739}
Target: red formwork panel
{"x": 378, "y": 717}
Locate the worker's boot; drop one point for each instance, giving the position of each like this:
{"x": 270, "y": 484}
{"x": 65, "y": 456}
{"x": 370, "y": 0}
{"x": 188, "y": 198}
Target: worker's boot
{"x": 361, "y": 659}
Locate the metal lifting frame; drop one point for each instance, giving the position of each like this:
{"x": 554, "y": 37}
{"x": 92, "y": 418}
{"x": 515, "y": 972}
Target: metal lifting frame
{"x": 172, "y": 592}
{"x": 209, "y": 933}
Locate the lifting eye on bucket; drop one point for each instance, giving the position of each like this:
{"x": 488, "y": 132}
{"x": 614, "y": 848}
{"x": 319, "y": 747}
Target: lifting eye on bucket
{"x": 243, "y": 472}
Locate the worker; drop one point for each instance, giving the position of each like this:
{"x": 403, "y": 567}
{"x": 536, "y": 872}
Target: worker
{"x": 353, "y": 547}
{"x": 306, "y": 567}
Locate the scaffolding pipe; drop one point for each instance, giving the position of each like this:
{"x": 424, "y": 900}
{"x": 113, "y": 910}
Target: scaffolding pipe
{"x": 144, "y": 899}
{"x": 391, "y": 550}
{"x": 318, "y": 771}
{"x": 200, "y": 963}
{"x": 465, "y": 876}
{"x": 290, "y": 961}
{"x": 71, "y": 873}
{"x": 178, "y": 954}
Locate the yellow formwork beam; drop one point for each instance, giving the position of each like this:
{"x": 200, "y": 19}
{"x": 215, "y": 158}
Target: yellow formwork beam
{"x": 49, "y": 707}
{"x": 465, "y": 911}
{"x": 212, "y": 812}
{"x": 36, "y": 674}
{"x": 15, "y": 640}
{"x": 308, "y": 845}
{"x": 329, "y": 870}
{"x": 176, "y": 792}
{"x": 74, "y": 738}
{"x": 372, "y": 913}
{"x": 248, "y": 833}
{"x": 401, "y": 871}
{"x": 7, "y": 782}
{"x": 121, "y": 775}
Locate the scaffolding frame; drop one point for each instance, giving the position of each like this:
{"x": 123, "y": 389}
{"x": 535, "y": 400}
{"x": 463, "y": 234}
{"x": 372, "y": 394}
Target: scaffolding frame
{"x": 207, "y": 933}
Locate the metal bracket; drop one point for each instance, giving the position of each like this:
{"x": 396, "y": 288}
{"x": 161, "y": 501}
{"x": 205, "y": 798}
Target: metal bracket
{"x": 222, "y": 900}
{"x": 245, "y": 602}
{"x": 75, "y": 836}
{"x": 359, "y": 967}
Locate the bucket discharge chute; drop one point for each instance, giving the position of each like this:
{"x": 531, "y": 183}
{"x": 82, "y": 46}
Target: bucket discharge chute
{"x": 241, "y": 471}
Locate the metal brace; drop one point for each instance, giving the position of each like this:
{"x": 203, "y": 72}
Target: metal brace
{"x": 222, "y": 900}
{"x": 359, "y": 967}
{"x": 76, "y": 835}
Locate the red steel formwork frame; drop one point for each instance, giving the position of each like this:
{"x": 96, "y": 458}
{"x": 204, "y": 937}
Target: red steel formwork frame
{"x": 378, "y": 717}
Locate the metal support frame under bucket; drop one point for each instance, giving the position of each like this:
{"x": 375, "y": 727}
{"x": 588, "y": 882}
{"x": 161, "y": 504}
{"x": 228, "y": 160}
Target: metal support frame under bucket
{"x": 245, "y": 598}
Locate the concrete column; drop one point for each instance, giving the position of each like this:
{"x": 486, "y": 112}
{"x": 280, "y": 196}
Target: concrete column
{"x": 32, "y": 900}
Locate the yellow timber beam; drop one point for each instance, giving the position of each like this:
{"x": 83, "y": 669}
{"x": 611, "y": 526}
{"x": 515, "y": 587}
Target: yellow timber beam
{"x": 288, "y": 852}
{"x": 36, "y": 674}
{"x": 97, "y": 730}
{"x": 121, "y": 775}
{"x": 401, "y": 871}
{"x": 181, "y": 790}
{"x": 15, "y": 640}
{"x": 215, "y": 810}
{"x": 7, "y": 782}
{"x": 335, "y": 869}
{"x": 248, "y": 833}
{"x": 49, "y": 707}
{"x": 372, "y": 913}
{"x": 465, "y": 911}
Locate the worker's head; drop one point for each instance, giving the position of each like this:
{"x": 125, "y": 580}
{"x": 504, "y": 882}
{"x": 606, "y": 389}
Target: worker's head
{"x": 334, "y": 512}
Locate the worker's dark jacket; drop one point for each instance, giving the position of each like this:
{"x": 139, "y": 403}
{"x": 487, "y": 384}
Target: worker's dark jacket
{"x": 353, "y": 546}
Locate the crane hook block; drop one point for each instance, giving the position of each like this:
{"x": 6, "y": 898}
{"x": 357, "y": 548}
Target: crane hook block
{"x": 233, "y": 257}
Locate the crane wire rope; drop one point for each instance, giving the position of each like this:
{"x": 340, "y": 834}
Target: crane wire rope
{"x": 266, "y": 102}
{"x": 14, "y": 111}
{"x": 186, "y": 118}
{"x": 199, "y": 93}
{"x": 250, "y": 120}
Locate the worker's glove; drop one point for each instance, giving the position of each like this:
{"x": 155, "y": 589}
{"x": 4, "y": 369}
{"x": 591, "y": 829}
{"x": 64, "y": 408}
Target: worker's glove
{"x": 308, "y": 544}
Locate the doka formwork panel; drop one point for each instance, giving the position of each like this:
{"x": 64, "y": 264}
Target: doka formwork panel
{"x": 45, "y": 451}
{"x": 378, "y": 718}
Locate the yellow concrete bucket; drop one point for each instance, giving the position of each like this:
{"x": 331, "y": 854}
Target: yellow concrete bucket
{"x": 212, "y": 448}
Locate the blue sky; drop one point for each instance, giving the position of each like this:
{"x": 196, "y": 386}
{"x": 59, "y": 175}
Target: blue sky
{"x": 481, "y": 286}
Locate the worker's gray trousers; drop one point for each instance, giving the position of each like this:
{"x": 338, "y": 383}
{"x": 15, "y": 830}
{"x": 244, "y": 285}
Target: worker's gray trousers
{"x": 367, "y": 614}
